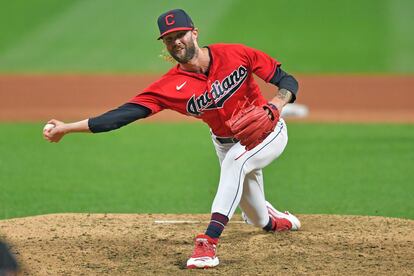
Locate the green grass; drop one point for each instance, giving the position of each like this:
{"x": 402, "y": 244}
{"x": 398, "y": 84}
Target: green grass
{"x": 172, "y": 168}
{"x": 320, "y": 36}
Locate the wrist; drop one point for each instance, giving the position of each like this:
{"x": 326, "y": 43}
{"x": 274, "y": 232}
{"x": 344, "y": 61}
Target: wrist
{"x": 272, "y": 110}
{"x": 273, "y": 106}
{"x": 81, "y": 126}
{"x": 66, "y": 128}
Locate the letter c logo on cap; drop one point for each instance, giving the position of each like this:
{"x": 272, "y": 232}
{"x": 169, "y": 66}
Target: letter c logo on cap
{"x": 169, "y": 21}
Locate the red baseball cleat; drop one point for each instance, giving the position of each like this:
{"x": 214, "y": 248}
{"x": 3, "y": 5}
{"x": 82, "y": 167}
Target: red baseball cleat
{"x": 204, "y": 254}
{"x": 282, "y": 221}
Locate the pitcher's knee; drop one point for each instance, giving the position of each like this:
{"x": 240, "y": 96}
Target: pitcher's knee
{"x": 238, "y": 166}
{"x": 256, "y": 221}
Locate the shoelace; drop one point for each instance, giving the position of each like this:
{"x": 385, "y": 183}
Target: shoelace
{"x": 204, "y": 249}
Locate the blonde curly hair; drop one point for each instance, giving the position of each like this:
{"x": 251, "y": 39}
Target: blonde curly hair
{"x": 167, "y": 57}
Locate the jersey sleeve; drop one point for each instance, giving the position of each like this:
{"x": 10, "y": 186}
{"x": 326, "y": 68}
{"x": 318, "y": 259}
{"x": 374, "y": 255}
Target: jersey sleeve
{"x": 261, "y": 63}
{"x": 149, "y": 98}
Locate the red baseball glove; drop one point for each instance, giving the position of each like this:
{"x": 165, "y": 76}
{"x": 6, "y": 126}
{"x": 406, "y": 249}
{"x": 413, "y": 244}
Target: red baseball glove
{"x": 251, "y": 124}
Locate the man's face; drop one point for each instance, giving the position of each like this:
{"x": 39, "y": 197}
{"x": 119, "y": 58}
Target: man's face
{"x": 180, "y": 45}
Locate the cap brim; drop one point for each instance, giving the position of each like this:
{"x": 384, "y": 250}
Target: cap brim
{"x": 175, "y": 30}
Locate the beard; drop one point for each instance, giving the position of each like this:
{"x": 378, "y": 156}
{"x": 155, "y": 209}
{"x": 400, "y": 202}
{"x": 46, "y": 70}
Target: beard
{"x": 185, "y": 54}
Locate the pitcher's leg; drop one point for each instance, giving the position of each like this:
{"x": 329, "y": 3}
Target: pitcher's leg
{"x": 238, "y": 163}
{"x": 253, "y": 202}
{"x": 261, "y": 213}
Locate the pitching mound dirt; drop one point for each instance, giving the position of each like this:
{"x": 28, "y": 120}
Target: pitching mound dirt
{"x": 97, "y": 244}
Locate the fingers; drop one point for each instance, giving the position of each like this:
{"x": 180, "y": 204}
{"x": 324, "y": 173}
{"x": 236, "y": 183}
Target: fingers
{"x": 55, "y": 122}
{"x": 53, "y": 139}
{"x": 54, "y": 134}
{"x": 47, "y": 136}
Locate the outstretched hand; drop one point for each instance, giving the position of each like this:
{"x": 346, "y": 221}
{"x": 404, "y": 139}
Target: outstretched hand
{"x": 55, "y": 134}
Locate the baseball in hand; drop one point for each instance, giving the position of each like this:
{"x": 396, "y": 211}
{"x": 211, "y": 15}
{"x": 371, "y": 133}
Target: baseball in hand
{"x": 48, "y": 126}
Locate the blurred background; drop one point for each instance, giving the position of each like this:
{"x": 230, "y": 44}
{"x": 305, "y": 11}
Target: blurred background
{"x": 74, "y": 59}
{"x": 106, "y": 36}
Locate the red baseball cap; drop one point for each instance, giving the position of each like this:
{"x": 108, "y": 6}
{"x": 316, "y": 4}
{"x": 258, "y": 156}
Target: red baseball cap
{"x": 174, "y": 20}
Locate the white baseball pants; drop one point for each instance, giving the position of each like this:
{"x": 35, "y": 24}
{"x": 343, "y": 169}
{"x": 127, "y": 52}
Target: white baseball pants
{"x": 241, "y": 177}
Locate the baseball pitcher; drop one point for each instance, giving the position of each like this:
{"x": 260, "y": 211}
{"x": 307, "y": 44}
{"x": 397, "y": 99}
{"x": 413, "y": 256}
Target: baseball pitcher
{"x": 215, "y": 84}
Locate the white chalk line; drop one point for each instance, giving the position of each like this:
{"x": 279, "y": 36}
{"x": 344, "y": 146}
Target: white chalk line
{"x": 189, "y": 222}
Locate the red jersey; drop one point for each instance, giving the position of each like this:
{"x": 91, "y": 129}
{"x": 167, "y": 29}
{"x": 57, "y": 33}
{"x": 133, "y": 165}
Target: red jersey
{"x": 213, "y": 97}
